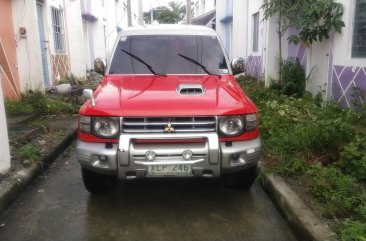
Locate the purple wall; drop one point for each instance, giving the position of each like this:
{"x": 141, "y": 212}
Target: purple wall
{"x": 343, "y": 81}
{"x": 297, "y": 51}
{"x": 254, "y": 66}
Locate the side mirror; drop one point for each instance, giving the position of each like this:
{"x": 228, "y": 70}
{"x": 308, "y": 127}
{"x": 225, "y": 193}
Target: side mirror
{"x": 88, "y": 93}
{"x": 238, "y": 65}
{"x": 100, "y": 65}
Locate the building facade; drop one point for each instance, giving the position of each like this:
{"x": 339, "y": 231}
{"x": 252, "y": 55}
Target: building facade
{"x": 102, "y": 21}
{"x": 47, "y": 35}
{"x": 337, "y": 66}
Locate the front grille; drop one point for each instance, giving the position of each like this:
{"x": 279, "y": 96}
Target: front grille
{"x": 168, "y": 124}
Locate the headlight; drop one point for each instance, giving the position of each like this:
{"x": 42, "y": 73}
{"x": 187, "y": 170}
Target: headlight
{"x": 106, "y": 127}
{"x": 231, "y": 125}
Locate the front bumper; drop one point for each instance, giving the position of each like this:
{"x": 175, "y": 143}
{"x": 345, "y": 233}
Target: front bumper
{"x": 127, "y": 159}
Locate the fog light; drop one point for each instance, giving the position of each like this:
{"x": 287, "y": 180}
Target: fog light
{"x": 102, "y": 158}
{"x": 150, "y": 155}
{"x": 187, "y": 154}
{"x": 237, "y": 160}
{"x": 235, "y": 156}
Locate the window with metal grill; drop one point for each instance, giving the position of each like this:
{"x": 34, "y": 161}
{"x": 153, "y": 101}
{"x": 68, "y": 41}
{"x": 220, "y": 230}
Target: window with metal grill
{"x": 359, "y": 31}
{"x": 58, "y": 30}
{"x": 255, "y": 31}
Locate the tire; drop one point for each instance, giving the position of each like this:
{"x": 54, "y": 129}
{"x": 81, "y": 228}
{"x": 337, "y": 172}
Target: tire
{"x": 241, "y": 180}
{"x": 97, "y": 183}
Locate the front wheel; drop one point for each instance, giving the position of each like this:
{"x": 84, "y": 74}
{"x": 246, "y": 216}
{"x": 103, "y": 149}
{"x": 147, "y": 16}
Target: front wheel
{"x": 242, "y": 179}
{"x": 97, "y": 183}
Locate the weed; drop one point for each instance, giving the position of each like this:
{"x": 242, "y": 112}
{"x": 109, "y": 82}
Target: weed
{"x": 29, "y": 152}
{"x": 353, "y": 157}
{"x": 17, "y": 107}
{"x": 71, "y": 79}
{"x": 358, "y": 100}
{"x": 353, "y": 231}
{"x": 329, "y": 185}
{"x": 293, "y": 78}
{"x": 39, "y": 103}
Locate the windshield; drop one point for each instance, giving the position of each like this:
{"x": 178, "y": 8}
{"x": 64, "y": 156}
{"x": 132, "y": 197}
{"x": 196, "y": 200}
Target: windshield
{"x": 168, "y": 54}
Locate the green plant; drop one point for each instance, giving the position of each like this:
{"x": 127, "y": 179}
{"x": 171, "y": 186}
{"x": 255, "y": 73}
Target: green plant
{"x": 39, "y": 103}
{"x": 358, "y": 100}
{"x": 353, "y": 231}
{"x": 293, "y": 78}
{"x": 72, "y": 79}
{"x": 17, "y": 107}
{"x": 29, "y": 152}
{"x": 329, "y": 185}
{"x": 353, "y": 157}
{"x": 171, "y": 14}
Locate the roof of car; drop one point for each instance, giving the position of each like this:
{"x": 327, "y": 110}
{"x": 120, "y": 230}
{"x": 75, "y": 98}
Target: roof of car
{"x": 169, "y": 29}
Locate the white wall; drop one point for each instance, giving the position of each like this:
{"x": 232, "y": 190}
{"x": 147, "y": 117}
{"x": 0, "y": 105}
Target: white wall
{"x": 240, "y": 29}
{"x": 75, "y": 42}
{"x": 343, "y": 42}
{"x": 209, "y": 5}
{"x": 103, "y": 31}
{"x": 270, "y": 63}
{"x": 4, "y": 142}
{"x": 203, "y": 6}
{"x": 98, "y": 29}
{"x": 28, "y": 48}
{"x": 318, "y": 62}
{"x": 222, "y": 28}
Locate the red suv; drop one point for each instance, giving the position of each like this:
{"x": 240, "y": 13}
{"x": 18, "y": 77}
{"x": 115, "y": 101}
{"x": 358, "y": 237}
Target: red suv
{"x": 168, "y": 106}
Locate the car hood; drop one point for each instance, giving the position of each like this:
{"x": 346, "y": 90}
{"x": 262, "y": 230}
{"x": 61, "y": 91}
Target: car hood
{"x": 147, "y": 95}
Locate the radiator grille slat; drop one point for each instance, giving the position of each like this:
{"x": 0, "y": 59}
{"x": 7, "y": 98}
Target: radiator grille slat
{"x": 168, "y": 124}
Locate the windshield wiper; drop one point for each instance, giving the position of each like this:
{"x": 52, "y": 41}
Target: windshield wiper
{"x": 197, "y": 63}
{"x": 143, "y": 62}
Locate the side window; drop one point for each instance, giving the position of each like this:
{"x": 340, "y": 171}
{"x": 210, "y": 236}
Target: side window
{"x": 255, "y": 32}
{"x": 359, "y": 31}
{"x": 58, "y": 30}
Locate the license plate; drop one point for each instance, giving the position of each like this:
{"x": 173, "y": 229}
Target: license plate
{"x": 169, "y": 170}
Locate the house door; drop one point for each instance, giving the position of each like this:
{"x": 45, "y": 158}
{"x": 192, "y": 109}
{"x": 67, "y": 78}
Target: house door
{"x": 42, "y": 38}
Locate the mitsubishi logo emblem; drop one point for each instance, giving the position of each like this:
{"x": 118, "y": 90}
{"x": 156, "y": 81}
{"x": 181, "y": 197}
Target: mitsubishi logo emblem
{"x": 169, "y": 128}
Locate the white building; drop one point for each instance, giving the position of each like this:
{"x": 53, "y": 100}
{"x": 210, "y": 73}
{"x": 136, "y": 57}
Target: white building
{"x": 102, "y": 21}
{"x": 337, "y": 65}
{"x": 201, "y": 7}
{"x": 48, "y": 35}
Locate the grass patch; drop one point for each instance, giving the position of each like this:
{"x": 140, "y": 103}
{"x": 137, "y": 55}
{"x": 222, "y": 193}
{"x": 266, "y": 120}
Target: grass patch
{"x": 39, "y": 103}
{"x": 29, "y": 152}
